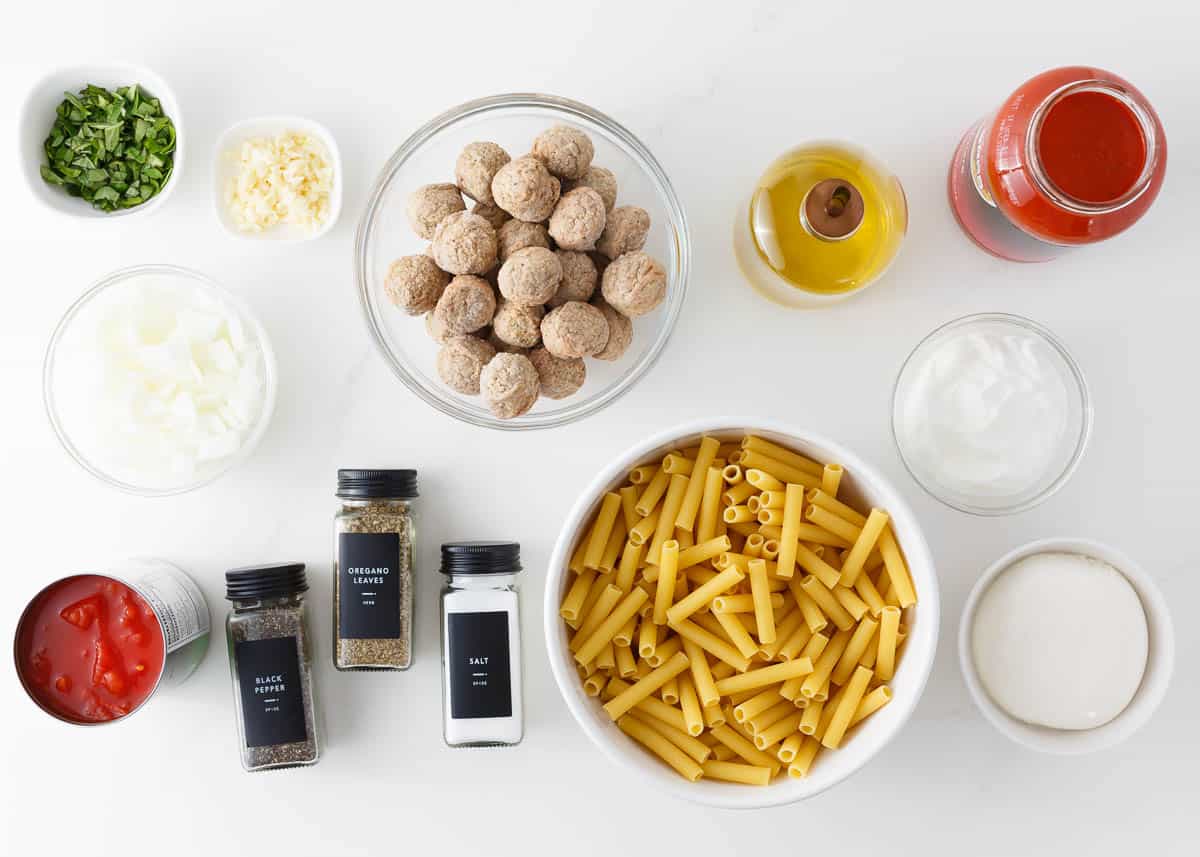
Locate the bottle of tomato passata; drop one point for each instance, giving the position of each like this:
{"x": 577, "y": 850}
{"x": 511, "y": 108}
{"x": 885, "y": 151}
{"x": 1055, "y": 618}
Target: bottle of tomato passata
{"x": 1074, "y": 156}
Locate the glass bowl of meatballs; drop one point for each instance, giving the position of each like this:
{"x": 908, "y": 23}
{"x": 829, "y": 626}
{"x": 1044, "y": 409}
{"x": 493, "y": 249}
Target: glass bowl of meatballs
{"x": 522, "y": 261}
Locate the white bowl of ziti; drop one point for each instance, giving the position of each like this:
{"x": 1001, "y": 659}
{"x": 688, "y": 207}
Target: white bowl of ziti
{"x": 741, "y": 613}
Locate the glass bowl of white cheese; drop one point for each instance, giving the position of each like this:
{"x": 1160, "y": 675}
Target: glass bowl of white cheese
{"x": 990, "y": 413}
{"x": 1066, "y": 646}
{"x": 158, "y": 380}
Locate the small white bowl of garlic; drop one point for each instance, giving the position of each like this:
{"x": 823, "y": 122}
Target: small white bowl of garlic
{"x": 277, "y": 178}
{"x": 158, "y": 380}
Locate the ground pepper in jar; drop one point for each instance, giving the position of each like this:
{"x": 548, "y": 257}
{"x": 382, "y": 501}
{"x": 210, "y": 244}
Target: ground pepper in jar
{"x": 373, "y": 570}
{"x": 270, "y": 658}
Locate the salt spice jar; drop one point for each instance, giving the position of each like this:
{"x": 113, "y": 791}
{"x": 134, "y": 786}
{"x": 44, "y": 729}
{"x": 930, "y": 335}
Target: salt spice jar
{"x": 481, "y": 645}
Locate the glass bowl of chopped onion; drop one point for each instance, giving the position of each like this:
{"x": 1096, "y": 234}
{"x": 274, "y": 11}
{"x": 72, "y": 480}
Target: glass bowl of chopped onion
{"x": 427, "y": 157}
{"x": 157, "y": 380}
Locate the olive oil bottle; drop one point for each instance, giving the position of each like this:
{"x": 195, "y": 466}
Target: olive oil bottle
{"x": 824, "y": 222}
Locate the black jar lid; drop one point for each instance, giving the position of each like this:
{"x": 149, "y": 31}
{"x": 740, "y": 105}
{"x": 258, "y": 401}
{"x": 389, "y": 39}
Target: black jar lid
{"x": 481, "y": 558}
{"x": 265, "y": 581}
{"x": 377, "y": 484}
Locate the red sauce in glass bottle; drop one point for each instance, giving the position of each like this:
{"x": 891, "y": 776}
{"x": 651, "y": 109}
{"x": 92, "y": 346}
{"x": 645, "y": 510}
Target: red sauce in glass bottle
{"x": 90, "y": 649}
{"x": 1075, "y": 156}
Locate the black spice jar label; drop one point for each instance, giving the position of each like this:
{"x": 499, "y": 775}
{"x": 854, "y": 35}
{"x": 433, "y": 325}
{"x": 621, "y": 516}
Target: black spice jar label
{"x": 480, "y": 681}
{"x": 272, "y": 699}
{"x": 368, "y": 586}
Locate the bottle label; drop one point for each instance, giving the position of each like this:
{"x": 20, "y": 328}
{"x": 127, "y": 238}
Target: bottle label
{"x": 369, "y": 586}
{"x": 272, "y": 699}
{"x": 480, "y": 677}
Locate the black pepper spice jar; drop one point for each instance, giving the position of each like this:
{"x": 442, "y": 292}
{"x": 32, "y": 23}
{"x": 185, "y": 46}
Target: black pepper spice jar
{"x": 270, "y": 658}
{"x": 373, "y": 570}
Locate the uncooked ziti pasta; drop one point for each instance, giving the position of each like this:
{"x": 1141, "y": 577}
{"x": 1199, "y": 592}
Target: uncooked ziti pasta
{"x": 733, "y": 613}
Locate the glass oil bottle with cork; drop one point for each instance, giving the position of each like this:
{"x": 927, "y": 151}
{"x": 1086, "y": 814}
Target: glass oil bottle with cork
{"x": 824, "y": 221}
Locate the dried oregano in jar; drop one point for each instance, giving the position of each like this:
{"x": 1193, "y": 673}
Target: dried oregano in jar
{"x": 372, "y": 570}
{"x": 270, "y": 657}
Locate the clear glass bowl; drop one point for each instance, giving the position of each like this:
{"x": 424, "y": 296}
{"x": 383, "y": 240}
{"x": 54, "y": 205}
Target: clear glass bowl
{"x": 1064, "y": 459}
{"x": 428, "y": 156}
{"x": 60, "y": 417}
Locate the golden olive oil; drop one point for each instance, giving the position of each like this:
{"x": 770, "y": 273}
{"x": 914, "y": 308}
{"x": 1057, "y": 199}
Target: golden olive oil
{"x": 824, "y": 221}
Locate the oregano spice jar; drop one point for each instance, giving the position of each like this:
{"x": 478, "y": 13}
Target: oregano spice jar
{"x": 481, "y": 645}
{"x": 270, "y": 658}
{"x": 372, "y": 570}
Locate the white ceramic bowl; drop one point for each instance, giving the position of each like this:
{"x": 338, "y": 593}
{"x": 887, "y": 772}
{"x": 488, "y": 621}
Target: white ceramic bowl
{"x": 224, "y": 168}
{"x": 863, "y": 483}
{"x": 38, "y": 114}
{"x": 1160, "y": 660}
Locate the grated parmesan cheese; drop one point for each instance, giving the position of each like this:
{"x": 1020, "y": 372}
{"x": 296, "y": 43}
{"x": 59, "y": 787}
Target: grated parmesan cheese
{"x": 281, "y": 179}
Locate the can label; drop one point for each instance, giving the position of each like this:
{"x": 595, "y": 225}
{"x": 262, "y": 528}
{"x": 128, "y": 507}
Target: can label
{"x": 176, "y": 600}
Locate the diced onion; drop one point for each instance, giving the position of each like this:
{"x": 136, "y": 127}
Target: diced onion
{"x": 157, "y": 382}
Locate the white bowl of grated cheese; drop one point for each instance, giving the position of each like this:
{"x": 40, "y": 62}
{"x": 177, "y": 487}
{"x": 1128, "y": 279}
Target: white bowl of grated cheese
{"x": 278, "y": 178}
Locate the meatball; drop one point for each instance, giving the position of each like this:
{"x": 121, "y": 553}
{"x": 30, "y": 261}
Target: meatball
{"x": 531, "y": 276}
{"x": 461, "y": 360}
{"x": 509, "y": 384}
{"x": 430, "y": 205}
{"x": 466, "y": 305}
{"x": 525, "y": 189}
{"x": 464, "y": 243}
{"x": 503, "y": 347}
{"x": 516, "y": 235}
{"x": 600, "y": 261}
{"x": 634, "y": 284}
{"x": 518, "y": 325}
{"x": 558, "y": 378}
{"x": 624, "y": 232}
{"x": 567, "y": 152}
{"x": 475, "y": 168}
{"x": 620, "y": 331}
{"x": 579, "y": 278}
{"x": 603, "y": 182}
{"x": 491, "y": 212}
{"x": 574, "y": 329}
{"x": 414, "y": 284}
{"x": 436, "y": 330}
{"x": 578, "y": 219}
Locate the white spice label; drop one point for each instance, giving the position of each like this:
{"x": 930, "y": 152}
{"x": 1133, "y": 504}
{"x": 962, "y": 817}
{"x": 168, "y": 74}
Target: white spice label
{"x": 480, "y": 672}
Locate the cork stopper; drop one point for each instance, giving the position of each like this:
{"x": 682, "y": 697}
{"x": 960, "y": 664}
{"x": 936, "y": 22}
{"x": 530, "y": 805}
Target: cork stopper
{"x": 832, "y": 209}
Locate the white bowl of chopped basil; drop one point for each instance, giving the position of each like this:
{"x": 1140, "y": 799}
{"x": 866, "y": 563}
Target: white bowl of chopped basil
{"x": 100, "y": 141}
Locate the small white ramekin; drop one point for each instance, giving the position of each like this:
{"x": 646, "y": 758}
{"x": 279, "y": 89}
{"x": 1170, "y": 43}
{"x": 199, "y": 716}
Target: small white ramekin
{"x": 1160, "y": 661}
{"x": 270, "y": 126}
{"x": 862, "y": 481}
{"x": 37, "y": 118}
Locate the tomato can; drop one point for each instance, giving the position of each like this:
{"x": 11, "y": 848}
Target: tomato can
{"x": 94, "y": 647}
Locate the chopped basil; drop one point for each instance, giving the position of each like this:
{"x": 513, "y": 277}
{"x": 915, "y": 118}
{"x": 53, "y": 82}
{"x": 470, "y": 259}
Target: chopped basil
{"x": 114, "y": 149}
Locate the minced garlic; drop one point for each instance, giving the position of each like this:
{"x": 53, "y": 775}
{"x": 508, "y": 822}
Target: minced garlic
{"x": 283, "y": 179}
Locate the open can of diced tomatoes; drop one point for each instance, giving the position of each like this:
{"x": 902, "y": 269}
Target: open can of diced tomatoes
{"x": 94, "y": 647}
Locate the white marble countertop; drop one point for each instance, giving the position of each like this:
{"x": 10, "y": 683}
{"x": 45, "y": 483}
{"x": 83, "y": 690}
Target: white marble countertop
{"x": 715, "y": 92}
